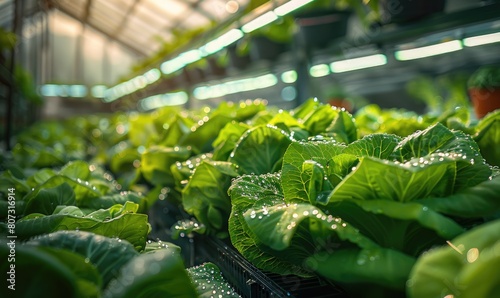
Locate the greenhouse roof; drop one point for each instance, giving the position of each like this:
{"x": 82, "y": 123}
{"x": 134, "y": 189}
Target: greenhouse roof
{"x": 140, "y": 25}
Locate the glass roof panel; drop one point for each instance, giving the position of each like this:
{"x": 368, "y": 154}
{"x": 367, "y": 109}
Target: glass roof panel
{"x": 135, "y": 28}
{"x": 194, "y": 20}
{"x": 216, "y": 8}
{"x": 147, "y": 27}
{"x": 123, "y": 3}
{"x": 144, "y": 12}
{"x": 112, "y": 11}
{"x": 168, "y": 8}
{"x": 76, "y": 8}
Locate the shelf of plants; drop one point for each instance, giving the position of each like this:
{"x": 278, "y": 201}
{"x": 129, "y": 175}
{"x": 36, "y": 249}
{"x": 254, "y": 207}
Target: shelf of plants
{"x": 253, "y": 201}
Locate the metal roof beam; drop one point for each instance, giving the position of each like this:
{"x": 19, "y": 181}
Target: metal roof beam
{"x": 86, "y": 14}
{"x": 193, "y": 6}
{"x": 125, "y": 18}
{"x": 133, "y": 48}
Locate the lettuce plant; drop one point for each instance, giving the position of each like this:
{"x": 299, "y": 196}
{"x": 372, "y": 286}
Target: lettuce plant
{"x": 352, "y": 212}
{"x": 84, "y": 264}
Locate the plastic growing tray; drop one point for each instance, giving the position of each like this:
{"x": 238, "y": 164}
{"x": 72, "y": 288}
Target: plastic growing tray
{"x": 250, "y": 282}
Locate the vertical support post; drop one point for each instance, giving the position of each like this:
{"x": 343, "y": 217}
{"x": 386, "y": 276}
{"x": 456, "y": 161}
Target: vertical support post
{"x": 17, "y": 29}
{"x": 302, "y": 59}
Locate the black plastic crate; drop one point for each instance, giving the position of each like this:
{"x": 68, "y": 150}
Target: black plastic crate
{"x": 250, "y": 282}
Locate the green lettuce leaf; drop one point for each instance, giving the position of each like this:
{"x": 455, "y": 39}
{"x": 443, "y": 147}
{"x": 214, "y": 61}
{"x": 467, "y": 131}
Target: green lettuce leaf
{"x": 174, "y": 129}
{"x": 158, "y": 273}
{"x": 343, "y": 128}
{"x": 88, "y": 281}
{"x": 37, "y": 271}
{"x": 260, "y": 150}
{"x": 294, "y": 184}
{"x": 306, "y": 109}
{"x": 108, "y": 201}
{"x": 40, "y": 176}
{"x": 106, "y": 254}
{"x": 227, "y": 139}
{"x": 322, "y": 118}
{"x": 8, "y": 179}
{"x": 47, "y": 199}
{"x": 186, "y": 227}
{"x": 128, "y": 226}
{"x": 143, "y": 131}
{"x": 205, "y": 195}
{"x": 487, "y": 137}
{"x": 380, "y": 179}
{"x": 410, "y": 228}
{"x": 157, "y": 160}
{"x": 381, "y": 146}
{"x": 36, "y": 154}
{"x": 482, "y": 200}
{"x": 209, "y": 282}
{"x": 76, "y": 170}
{"x": 204, "y": 132}
{"x": 467, "y": 267}
{"x": 355, "y": 267}
{"x": 182, "y": 171}
{"x": 456, "y": 145}
{"x": 243, "y": 192}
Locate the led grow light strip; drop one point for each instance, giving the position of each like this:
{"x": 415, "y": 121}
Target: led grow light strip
{"x": 132, "y": 85}
{"x": 358, "y": 63}
{"x": 161, "y": 100}
{"x": 259, "y": 22}
{"x": 290, "y": 6}
{"x": 98, "y": 91}
{"x": 63, "y": 90}
{"x": 221, "y": 42}
{"x": 289, "y": 76}
{"x": 319, "y": 70}
{"x": 482, "y": 39}
{"x": 231, "y": 87}
{"x": 428, "y": 51}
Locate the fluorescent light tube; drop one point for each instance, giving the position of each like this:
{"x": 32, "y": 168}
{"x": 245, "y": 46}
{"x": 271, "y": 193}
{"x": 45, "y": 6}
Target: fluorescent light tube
{"x": 290, "y": 6}
{"x": 433, "y": 50}
{"x": 358, "y": 63}
{"x": 77, "y": 90}
{"x": 49, "y": 90}
{"x": 236, "y": 86}
{"x": 98, "y": 91}
{"x": 152, "y": 75}
{"x": 190, "y": 56}
{"x": 220, "y": 42}
{"x": 161, "y": 100}
{"x": 319, "y": 70}
{"x": 259, "y": 22}
{"x": 173, "y": 65}
{"x": 482, "y": 39}
{"x": 289, "y": 76}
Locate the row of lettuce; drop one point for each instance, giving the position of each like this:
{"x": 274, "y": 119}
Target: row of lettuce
{"x": 70, "y": 232}
{"x": 387, "y": 199}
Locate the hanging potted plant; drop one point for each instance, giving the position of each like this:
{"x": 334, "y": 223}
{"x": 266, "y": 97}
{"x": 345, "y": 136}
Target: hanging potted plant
{"x": 484, "y": 90}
